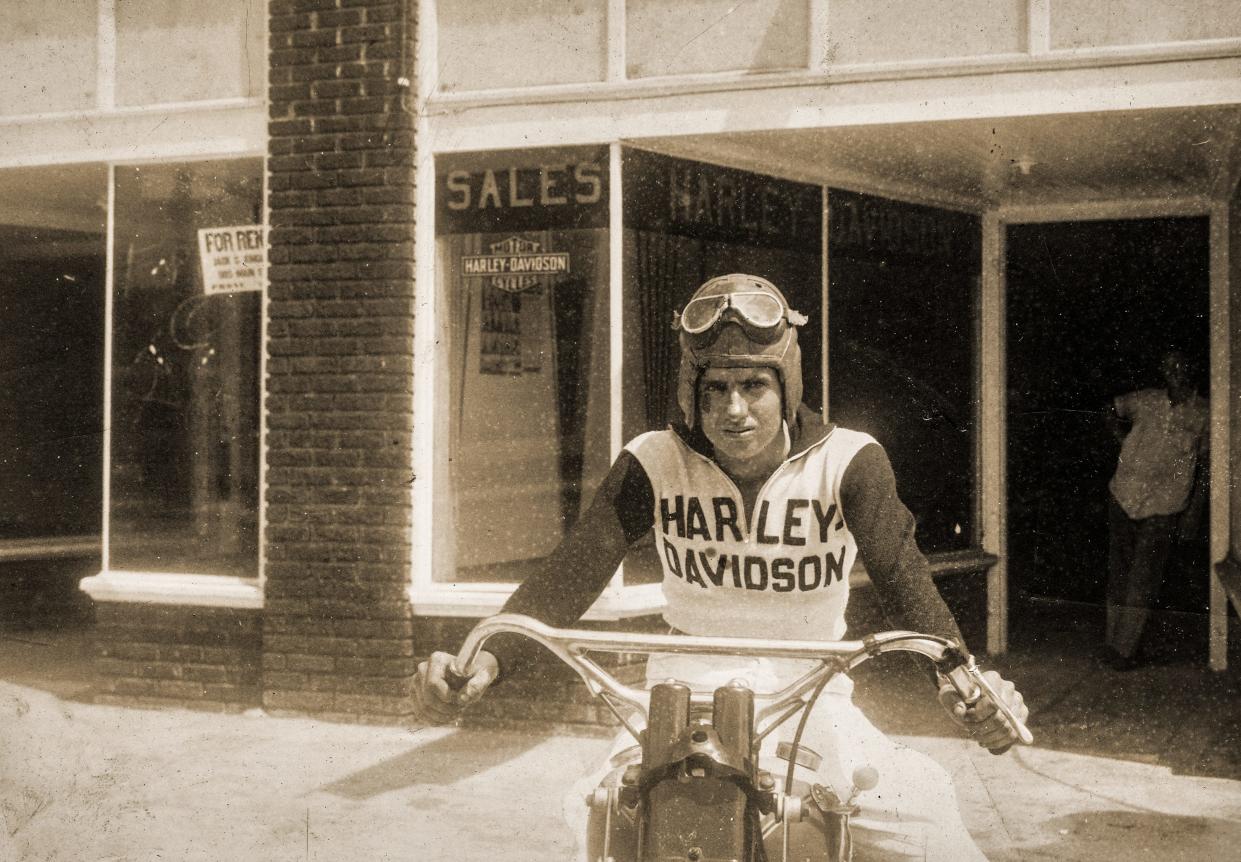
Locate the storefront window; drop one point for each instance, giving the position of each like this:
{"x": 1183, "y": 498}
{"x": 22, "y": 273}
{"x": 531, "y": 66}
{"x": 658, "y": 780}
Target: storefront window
{"x": 902, "y": 298}
{"x": 522, "y": 263}
{"x": 48, "y": 63}
{"x": 52, "y": 257}
{"x": 188, "y": 271}
{"x": 183, "y": 50}
{"x": 688, "y": 221}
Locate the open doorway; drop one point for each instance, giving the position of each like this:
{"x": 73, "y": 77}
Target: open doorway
{"x": 1092, "y": 307}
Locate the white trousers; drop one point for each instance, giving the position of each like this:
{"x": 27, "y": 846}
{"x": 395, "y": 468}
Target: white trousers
{"x": 911, "y": 813}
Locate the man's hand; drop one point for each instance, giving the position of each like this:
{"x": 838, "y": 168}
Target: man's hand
{"x": 983, "y": 721}
{"x": 438, "y": 702}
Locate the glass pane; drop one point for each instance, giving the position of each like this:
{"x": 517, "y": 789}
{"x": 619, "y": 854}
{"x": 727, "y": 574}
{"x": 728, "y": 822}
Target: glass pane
{"x": 182, "y": 50}
{"x": 688, "y": 221}
{"x": 678, "y": 37}
{"x": 862, "y": 31}
{"x": 1090, "y": 23}
{"x": 185, "y": 363}
{"x": 902, "y": 293}
{"x": 52, "y": 259}
{"x": 48, "y": 61}
{"x": 524, "y": 43}
{"x": 523, "y": 279}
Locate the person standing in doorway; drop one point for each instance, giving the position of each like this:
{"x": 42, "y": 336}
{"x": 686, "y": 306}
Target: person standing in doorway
{"x": 1157, "y": 493}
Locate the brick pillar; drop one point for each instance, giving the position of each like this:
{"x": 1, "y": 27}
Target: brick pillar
{"x": 337, "y": 628}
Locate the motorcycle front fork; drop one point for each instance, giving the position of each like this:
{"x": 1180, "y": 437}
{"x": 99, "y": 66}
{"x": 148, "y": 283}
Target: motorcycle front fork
{"x": 810, "y": 825}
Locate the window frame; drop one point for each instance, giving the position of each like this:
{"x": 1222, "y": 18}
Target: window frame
{"x": 430, "y": 597}
{"x": 652, "y": 114}
{"x": 112, "y": 135}
{"x": 1035, "y": 53}
{"x": 178, "y": 588}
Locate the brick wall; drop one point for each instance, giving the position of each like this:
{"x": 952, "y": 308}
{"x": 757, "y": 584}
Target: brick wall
{"x": 156, "y": 655}
{"x": 338, "y": 630}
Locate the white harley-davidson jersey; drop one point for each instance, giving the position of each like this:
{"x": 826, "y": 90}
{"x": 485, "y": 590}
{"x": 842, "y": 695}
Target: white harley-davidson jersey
{"x": 782, "y": 573}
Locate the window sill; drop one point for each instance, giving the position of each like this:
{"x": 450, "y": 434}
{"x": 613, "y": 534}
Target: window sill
{"x": 51, "y": 547}
{"x": 170, "y": 588}
{"x": 482, "y": 600}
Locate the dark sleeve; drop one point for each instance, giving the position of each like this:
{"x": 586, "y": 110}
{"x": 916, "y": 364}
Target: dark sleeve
{"x": 884, "y": 530}
{"x": 568, "y": 580}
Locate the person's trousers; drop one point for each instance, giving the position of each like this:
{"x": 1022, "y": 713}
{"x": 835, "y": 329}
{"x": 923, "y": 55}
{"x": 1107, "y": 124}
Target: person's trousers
{"x": 911, "y": 814}
{"x": 1137, "y": 557}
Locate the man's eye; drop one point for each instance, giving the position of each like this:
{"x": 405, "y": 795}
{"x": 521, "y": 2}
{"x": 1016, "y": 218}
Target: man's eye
{"x": 756, "y": 384}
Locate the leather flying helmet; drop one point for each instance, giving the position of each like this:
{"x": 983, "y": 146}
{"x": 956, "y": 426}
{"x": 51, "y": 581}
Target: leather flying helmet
{"x": 738, "y": 321}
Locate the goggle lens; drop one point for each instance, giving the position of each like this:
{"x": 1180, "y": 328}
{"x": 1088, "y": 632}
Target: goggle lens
{"x": 758, "y": 308}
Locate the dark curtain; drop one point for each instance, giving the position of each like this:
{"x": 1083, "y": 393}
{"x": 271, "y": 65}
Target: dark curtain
{"x": 572, "y": 334}
{"x": 664, "y": 268}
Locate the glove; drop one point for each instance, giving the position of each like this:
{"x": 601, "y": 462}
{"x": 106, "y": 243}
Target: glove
{"x": 436, "y": 701}
{"x": 981, "y": 720}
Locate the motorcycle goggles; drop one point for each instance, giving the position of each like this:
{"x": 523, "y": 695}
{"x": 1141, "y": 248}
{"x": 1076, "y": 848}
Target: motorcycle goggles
{"x": 760, "y": 313}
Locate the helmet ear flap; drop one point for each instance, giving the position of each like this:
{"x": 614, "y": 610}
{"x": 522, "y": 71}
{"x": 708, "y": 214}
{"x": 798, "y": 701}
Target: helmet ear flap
{"x": 687, "y": 388}
{"x": 791, "y": 380}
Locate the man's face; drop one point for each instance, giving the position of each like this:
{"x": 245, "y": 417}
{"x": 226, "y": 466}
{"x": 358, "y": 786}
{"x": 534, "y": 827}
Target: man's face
{"x": 740, "y": 410}
{"x": 1175, "y": 372}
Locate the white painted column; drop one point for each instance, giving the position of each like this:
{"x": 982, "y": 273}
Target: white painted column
{"x": 993, "y": 430}
{"x": 109, "y": 312}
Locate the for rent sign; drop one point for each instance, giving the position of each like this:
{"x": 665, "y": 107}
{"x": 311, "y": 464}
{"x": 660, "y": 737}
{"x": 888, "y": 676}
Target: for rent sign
{"x": 233, "y": 258}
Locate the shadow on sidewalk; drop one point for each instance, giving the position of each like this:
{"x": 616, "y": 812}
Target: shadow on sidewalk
{"x": 442, "y": 762}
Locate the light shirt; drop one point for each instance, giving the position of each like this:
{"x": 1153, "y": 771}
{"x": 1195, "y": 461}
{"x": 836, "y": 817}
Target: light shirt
{"x": 1155, "y": 473}
{"x": 784, "y": 573}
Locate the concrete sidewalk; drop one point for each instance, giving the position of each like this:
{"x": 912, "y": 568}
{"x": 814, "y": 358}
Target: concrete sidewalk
{"x": 1157, "y": 775}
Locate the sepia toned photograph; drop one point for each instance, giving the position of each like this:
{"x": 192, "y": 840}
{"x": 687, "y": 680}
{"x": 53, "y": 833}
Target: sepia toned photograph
{"x": 620, "y": 430}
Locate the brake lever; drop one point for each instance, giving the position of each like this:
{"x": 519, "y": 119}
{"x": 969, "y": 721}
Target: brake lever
{"x": 969, "y": 682}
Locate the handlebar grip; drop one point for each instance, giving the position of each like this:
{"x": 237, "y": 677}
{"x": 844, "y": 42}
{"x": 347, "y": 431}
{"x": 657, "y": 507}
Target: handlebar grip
{"x": 969, "y": 682}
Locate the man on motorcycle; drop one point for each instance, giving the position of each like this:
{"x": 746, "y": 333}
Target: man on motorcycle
{"x": 759, "y": 510}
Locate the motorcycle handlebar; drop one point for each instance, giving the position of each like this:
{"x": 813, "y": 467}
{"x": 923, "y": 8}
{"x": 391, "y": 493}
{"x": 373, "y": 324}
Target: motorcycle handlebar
{"x": 571, "y": 646}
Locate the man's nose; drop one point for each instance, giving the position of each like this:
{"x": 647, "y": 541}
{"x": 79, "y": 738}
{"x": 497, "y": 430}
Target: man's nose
{"x": 736, "y": 403}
